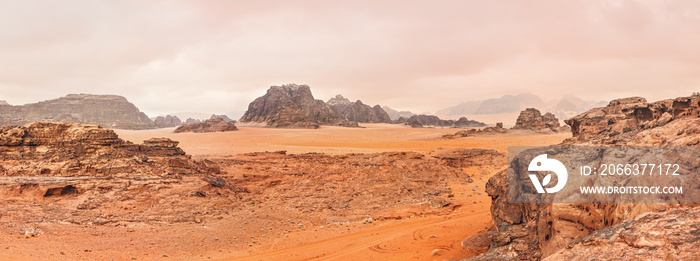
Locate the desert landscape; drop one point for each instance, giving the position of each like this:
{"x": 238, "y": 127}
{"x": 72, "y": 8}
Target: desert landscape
{"x": 349, "y": 130}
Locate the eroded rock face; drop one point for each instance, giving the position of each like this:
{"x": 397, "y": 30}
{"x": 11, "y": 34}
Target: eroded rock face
{"x": 535, "y": 231}
{"x": 634, "y": 121}
{"x": 167, "y": 121}
{"x": 670, "y": 235}
{"x": 290, "y": 105}
{"x": 211, "y": 125}
{"x": 532, "y": 119}
{"x": 88, "y": 169}
{"x": 358, "y": 111}
{"x": 110, "y": 111}
{"x": 224, "y": 117}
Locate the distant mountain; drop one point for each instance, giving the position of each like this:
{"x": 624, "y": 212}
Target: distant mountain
{"x": 509, "y": 103}
{"x": 110, "y": 111}
{"x": 395, "y": 115}
{"x": 167, "y": 121}
{"x": 3, "y": 102}
{"x": 564, "y": 108}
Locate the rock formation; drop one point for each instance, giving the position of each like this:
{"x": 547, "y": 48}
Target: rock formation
{"x": 69, "y": 149}
{"x": 190, "y": 121}
{"x": 212, "y": 125}
{"x": 535, "y": 231}
{"x": 167, "y": 121}
{"x": 110, "y": 111}
{"x": 419, "y": 121}
{"x": 633, "y": 121}
{"x": 358, "y": 111}
{"x": 3, "y": 102}
{"x": 669, "y": 235}
{"x": 291, "y": 105}
{"x": 532, "y": 119}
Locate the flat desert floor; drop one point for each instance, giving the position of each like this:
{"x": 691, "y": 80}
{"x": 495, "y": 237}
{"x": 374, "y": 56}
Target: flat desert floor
{"x": 417, "y": 233}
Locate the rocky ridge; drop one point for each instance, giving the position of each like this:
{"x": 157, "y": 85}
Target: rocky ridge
{"x": 211, "y": 125}
{"x": 110, "y": 111}
{"x": 422, "y": 120}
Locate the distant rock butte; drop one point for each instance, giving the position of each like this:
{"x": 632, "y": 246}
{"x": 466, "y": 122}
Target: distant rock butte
{"x": 110, "y": 111}
{"x": 3, "y": 102}
{"x": 167, "y": 121}
{"x": 532, "y": 119}
{"x": 292, "y": 106}
{"x": 211, "y": 125}
{"x": 358, "y": 111}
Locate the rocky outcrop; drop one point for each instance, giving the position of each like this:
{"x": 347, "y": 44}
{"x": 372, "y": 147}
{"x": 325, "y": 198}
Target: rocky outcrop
{"x": 532, "y": 119}
{"x": 167, "y": 121}
{"x": 670, "y": 235}
{"x": 498, "y": 129}
{"x": 110, "y": 111}
{"x": 358, "y": 111}
{"x": 290, "y": 105}
{"x": 634, "y": 121}
{"x": 419, "y": 121}
{"x": 223, "y": 117}
{"x": 534, "y": 231}
{"x": 212, "y": 125}
{"x": 69, "y": 149}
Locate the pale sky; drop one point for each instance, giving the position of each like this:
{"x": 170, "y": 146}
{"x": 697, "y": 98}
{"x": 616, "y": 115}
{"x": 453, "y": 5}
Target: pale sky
{"x": 217, "y": 56}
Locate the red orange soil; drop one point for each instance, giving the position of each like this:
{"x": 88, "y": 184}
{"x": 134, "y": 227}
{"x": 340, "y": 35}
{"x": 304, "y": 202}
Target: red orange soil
{"x": 268, "y": 235}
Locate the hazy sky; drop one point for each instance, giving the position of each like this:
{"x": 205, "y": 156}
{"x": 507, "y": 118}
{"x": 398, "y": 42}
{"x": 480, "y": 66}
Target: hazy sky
{"x": 216, "y": 56}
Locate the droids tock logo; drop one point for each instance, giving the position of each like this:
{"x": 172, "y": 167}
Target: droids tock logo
{"x": 542, "y": 163}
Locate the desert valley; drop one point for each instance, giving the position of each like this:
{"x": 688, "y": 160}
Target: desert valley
{"x": 297, "y": 179}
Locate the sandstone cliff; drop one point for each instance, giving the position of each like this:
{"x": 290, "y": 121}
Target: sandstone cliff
{"x": 358, "y": 111}
{"x": 534, "y": 231}
{"x": 291, "y": 105}
{"x": 110, "y": 111}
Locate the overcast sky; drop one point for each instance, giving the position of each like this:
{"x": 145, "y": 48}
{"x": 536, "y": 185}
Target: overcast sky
{"x": 217, "y": 56}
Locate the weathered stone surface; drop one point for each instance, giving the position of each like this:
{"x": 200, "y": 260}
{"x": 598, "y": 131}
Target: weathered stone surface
{"x": 167, "y": 121}
{"x": 532, "y": 119}
{"x": 110, "y": 111}
{"x": 670, "y": 235}
{"x": 288, "y": 106}
{"x": 535, "y": 231}
{"x": 634, "y": 121}
{"x": 212, "y": 125}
